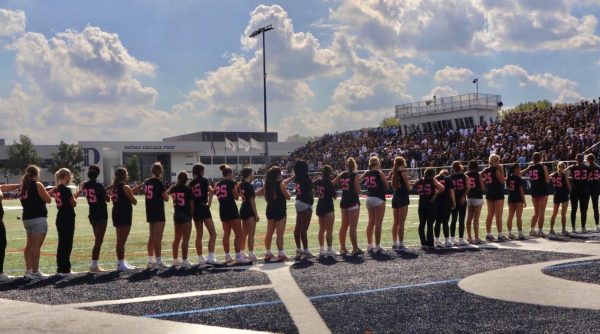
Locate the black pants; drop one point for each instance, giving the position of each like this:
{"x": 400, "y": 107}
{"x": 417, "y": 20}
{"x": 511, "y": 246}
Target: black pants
{"x": 66, "y": 228}
{"x": 594, "y": 194}
{"x": 584, "y": 200}
{"x": 458, "y": 213}
{"x": 2, "y": 245}
{"x": 441, "y": 220}
{"x": 426, "y": 219}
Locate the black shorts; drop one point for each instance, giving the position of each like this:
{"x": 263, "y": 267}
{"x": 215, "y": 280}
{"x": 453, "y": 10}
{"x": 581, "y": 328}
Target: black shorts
{"x": 182, "y": 218}
{"x": 228, "y": 213}
{"x": 154, "y": 216}
{"x": 400, "y": 201}
{"x": 246, "y": 212}
{"x": 561, "y": 198}
{"x": 494, "y": 196}
{"x": 539, "y": 193}
{"x": 323, "y": 209}
{"x": 123, "y": 220}
{"x": 202, "y": 212}
{"x": 275, "y": 213}
{"x": 95, "y": 222}
{"x": 348, "y": 205}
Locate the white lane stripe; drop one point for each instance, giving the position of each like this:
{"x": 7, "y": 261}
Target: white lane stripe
{"x": 166, "y": 297}
{"x": 303, "y": 313}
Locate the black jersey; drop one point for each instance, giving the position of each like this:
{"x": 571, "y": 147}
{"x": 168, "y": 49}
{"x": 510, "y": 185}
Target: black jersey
{"x": 459, "y": 181}
{"x": 402, "y": 189}
{"x": 539, "y": 187}
{"x": 199, "y": 186}
{"x": 277, "y": 205}
{"x": 426, "y": 190}
{"x": 349, "y": 195}
{"x": 122, "y": 210}
{"x": 495, "y": 189}
{"x": 326, "y": 194}
{"x": 62, "y": 195}
{"x": 559, "y": 183}
{"x": 1, "y": 210}
{"x": 443, "y": 199}
{"x": 594, "y": 178}
{"x": 474, "y": 182}
{"x": 375, "y": 184}
{"x": 248, "y": 193}
{"x": 228, "y": 209}
{"x": 514, "y": 184}
{"x": 580, "y": 175}
{"x": 304, "y": 191}
{"x": 155, "y": 205}
{"x": 33, "y": 205}
{"x": 96, "y": 195}
{"x": 182, "y": 196}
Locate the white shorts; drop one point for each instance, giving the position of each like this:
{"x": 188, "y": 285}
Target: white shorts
{"x": 474, "y": 201}
{"x": 373, "y": 202}
{"x": 301, "y": 206}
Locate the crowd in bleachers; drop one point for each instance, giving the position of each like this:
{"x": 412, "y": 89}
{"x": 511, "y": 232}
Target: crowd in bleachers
{"x": 558, "y": 132}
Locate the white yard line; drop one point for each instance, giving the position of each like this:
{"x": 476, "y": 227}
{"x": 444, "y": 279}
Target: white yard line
{"x": 166, "y": 297}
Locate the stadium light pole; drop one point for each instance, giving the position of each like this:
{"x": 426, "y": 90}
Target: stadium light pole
{"x": 261, "y": 31}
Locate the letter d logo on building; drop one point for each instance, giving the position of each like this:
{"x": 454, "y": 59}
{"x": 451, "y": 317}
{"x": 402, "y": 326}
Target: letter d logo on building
{"x": 91, "y": 156}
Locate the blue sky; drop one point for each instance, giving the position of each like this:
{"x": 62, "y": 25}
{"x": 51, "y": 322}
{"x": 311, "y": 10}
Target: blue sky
{"x": 96, "y": 70}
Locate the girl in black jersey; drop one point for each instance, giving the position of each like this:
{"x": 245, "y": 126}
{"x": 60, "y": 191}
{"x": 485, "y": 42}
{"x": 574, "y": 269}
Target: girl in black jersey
{"x": 326, "y": 194}
{"x": 156, "y": 196}
{"x": 3, "y": 188}
{"x": 122, "y": 213}
{"x": 304, "y": 202}
{"x": 377, "y": 185}
{"x": 474, "y": 202}
{"x": 65, "y": 220}
{"x": 400, "y": 201}
{"x": 96, "y": 197}
{"x": 34, "y": 198}
{"x": 516, "y": 200}
{"x": 227, "y": 193}
{"x": 276, "y": 194}
{"x": 461, "y": 190}
{"x": 203, "y": 195}
{"x": 493, "y": 176}
{"x": 445, "y": 202}
{"x": 580, "y": 191}
{"x": 594, "y": 187}
{"x": 183, "y": 207}
{"x": 350, "y": 206}
{"x": 539, "y": 178}
{"x": 248, "y": 212}
{"x": 562, "y": 187}
{"x": 428, "y": 188}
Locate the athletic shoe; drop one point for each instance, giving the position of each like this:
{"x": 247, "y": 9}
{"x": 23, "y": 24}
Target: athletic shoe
{"x": 502, "y": 238}
{"x": 477, "y": 241}
{"x": 330, "y": 254}
{"x": 448, "y": 244}
{"x": 151, "y": 266}
{"x": 228, "y": 258}
{"x": 357, "y": 252}
{"x": 161, "y": 265}
{"x": 241, "y": 259}
{"x": 186, "y": 264}
{"x": 38, "y": 275}
{"x": 322, "y": 253}
{"x": 125, "y": 266}
{"x": 574, "y": 230}
{"x": 565, "y": 233}
{"x": 462, "y": 242}
{"x": 511, "y": 236}
{"x": 490, "y": 238}
{"x": 252, "y": 257}
{"x": 541, "y": 234}
{"x": 597, "y": 228}
{"x": 521, "y": 236}
{"x": 28, "y": 274}
{"x": 176, "y": 263}
{"x": 437, "y": 243}
{"x": 97, "y": 269}
{"x": 5, "y": 278}
{"x": 533, "y": 234}
{"x": 552, "y": 233}
{"x": 583, "y": 230}
{"x": 63, "y": 274}
{"x": 308, "y": 254}
{"x": 269, "y": 256}
{"x": 394, "y": 247}
{"x": 370, "y": 249}
{"x": 378, "y": 250}
{"x": 343, "y": 252}
{"x": 212, "y": 260}
{"x": 282, "y": 257}
{"x": 401, "y": 246}
{"x": 201, "y": 260}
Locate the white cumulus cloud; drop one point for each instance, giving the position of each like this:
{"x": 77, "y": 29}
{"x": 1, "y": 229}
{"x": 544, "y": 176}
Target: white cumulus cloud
{"x": 450, "y": 73}
{"x": 11, "y": 22}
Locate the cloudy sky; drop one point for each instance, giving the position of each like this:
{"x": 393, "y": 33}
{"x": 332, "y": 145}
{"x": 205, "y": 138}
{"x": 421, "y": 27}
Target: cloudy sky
{"x": 129, "y": 70}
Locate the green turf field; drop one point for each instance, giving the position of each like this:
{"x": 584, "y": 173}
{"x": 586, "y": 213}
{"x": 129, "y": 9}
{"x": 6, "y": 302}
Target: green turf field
{"x": 136, "y": 245}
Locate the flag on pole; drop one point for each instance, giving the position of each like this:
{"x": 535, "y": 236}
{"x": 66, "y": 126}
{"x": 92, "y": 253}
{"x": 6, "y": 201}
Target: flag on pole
{"x": 256, "y": 144}
{"x": 212, "y": 146}
{"x": 244, "y": 145}
{"x": 230, "y": 145}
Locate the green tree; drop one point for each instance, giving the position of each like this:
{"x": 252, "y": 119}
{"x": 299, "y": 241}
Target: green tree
{"x": 529, "y": 106}
{"x": 301, "y": 139}
{"x": 21, "y": 155}
{"x": 133, "y": 168}
{"x": 390, "y": 122}
{"x": 68, "y": 156}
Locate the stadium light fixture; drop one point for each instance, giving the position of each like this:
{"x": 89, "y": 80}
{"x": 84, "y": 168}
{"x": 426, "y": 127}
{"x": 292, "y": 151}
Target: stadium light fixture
{"x": 261, "y": 31}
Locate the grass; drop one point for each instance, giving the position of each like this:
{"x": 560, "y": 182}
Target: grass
{"x": 136, "y": 244}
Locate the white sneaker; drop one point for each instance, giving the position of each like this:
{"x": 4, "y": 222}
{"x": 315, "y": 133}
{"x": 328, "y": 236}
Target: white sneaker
{"x": 462, "y": 242}
{"x": 63, "y": 274}
{"x": 437, "y": 243}
{"x": 28, "y": 274}
{"x": 151, "y": 266}
{"x": 521, "y": 236}
{"x": 161, "y": 265}
{"x": 308, "y": 254}
{"x": 125, "y": 266}
{"x": 269, "y": 256}
{"x": 252, "y": 257}
{"x": 583, "y": 230}
{"x": 241, "y": 259}
{"x": 533, "y": 233}
{"x": 448, "y": 244}
{"x": 212, "y": 260}
{"x": 401, "y": 246}
{"x": 228, "y": 258}
{"x": 511, "y": 236}
{"x": 378, "y": 250}
{"x": 97, "y": 269}
{"x": 38, "y": 275}
{"x": 201, "y": 260}
{"x": 176, "y": 263}
{"x": 330, "y": 254}
{"x": 453, "y": 240}
{"x": 186, "y": 264}
{"x": 322, "y": 253}
{"x": 5, "y": 278}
